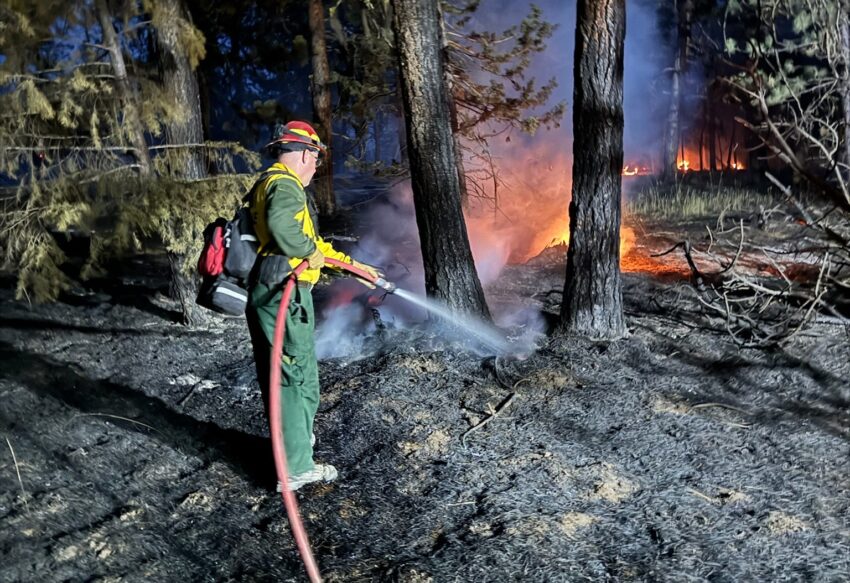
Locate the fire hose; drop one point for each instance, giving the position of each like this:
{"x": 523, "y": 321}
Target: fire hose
{"x": 276, "y": 426}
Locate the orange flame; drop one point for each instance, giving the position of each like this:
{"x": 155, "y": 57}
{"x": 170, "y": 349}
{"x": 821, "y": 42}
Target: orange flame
{"x": 636, "y": 170}
{"x": 690, "y": 161}
{"x": 636, "y": 259}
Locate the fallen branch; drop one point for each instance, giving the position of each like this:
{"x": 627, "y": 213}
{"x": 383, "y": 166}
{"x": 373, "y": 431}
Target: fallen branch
{"x": 502, "y": 406}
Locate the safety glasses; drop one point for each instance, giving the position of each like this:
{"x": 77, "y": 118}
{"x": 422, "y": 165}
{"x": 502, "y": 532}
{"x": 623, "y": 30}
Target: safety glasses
{"x": 316, "y": 158}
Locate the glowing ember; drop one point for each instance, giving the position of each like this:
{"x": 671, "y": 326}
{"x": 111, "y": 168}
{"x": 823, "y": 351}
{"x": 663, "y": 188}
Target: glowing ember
{"x": 690, "y": 160}
{"x": 636, "y": 170}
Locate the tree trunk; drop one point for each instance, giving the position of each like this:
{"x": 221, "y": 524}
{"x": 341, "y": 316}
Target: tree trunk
{"x": 449, "y": 267}
{"x": 181, "y": 85}
{"x": 712, "y": 136}
{"x": 453, "y": 116}
{"x": 684, "y": 15}
{"x": 701, "y": 140}
{"x": 844, "y": 23}
{"x": 322, "y": 112}
{"x": 593, "y": 297}
{"x": 731, "y": 147}
{"x": 129, "y": 99}
{"x": 671, "y": 136}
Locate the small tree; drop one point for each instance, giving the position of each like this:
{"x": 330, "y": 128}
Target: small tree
{"x": 82, "y": 143}
{"x": 593, "y": 298}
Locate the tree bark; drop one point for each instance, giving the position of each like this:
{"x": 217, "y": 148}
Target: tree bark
{"x": 181, "y": 84}
{"x": 844, "y": 23}
{"x": 322, "y": 112}
{"x": 684, "y": 15}
{"x": 449, "y": 267}
{"x": 671, "y": 136}
{"x": 712, "y": 135}
{"x": 453, "y": 116}
{"x": 593, "y": 298}
{"x": 129, "y": 99}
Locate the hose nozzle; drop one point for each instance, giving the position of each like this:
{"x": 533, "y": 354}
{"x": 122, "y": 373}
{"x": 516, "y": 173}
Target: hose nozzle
{"x": 385, "y": 285}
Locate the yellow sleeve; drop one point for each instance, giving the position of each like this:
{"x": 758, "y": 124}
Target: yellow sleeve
{"x": 328, "y": 251}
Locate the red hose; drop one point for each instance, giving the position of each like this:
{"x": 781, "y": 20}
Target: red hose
{"x": 289, "y": 500}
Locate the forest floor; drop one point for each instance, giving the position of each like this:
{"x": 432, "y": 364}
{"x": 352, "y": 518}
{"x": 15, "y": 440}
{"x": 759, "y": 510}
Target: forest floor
{"x": 136, "y": 450}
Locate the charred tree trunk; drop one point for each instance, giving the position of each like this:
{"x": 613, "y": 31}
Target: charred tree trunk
{"x": 181, "y": 84}
{"x": 731, "y": 147}
{"x": 684, "y": 15}
{"x": 449, "y": 267}
{"x": 845, "y": 49}
{"x": 701, "y": 141}
{"x": 712, "y": 137}
{"x": 322, "y": 112}
{"x": 593, "y": 297}
{"x": 461, "y": 170}
{"x": 453, "y": 117}
{"x": 671, "y": 136}
{"x": 129, "y": 99}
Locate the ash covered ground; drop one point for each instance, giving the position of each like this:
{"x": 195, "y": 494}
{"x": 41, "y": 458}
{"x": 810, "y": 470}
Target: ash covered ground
{"x": 140, "y": 450}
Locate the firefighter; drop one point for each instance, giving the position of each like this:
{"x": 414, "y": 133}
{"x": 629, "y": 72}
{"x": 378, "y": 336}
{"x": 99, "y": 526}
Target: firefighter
{"x": 285, "y": 226}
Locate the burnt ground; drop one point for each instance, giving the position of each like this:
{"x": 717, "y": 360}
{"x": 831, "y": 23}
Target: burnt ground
{"x": 141, "y": 452}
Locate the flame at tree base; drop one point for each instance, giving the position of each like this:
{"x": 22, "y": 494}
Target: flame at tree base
{"x": 634, "y": 258}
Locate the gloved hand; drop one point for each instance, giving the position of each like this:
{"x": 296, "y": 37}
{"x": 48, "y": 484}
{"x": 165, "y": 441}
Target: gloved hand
{"x": 368, "y": 269}
{"x": 316, "y": 259}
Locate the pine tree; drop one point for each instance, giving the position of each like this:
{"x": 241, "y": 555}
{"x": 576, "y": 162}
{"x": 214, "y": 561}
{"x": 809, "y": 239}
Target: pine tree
{"x": 322, "y": 110}
{"x": 486, "y": 72}
{"x": 593, "y": 298}
{"x": 794, "y": 70}
{"x": 449, "y": 268}
{"x": 81, "y": 141}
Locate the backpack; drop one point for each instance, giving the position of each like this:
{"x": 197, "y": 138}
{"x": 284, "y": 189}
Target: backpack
{"x": 228, "y": 257}
{"x": 226, "y": 261}
{"x": 229, "y": 247}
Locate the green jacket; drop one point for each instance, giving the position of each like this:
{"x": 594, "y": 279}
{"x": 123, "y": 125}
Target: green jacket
{"x": 283, "y": 223}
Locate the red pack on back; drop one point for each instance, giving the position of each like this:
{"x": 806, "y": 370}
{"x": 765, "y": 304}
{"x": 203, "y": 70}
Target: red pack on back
{"x": 213, "y": 253}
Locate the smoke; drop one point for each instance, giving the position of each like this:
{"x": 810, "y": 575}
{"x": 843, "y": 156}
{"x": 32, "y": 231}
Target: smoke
{"x": 347, "y": 323}
{"x": 523, "y": 209}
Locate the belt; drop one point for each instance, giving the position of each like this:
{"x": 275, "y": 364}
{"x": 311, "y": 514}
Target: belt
{"x": 304, "y": 285}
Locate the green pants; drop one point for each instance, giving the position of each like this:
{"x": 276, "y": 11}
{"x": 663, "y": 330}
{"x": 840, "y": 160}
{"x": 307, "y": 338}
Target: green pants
{"x": 299, "y": 386}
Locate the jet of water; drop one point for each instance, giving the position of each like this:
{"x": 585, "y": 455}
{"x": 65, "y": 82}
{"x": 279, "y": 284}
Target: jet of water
{"x": 485, "y": 333}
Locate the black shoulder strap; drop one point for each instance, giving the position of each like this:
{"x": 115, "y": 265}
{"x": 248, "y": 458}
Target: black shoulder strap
{"x": 248, "y": 198}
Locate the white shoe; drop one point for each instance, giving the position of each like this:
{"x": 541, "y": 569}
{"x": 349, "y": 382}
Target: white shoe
{"x": 320, "y": 473}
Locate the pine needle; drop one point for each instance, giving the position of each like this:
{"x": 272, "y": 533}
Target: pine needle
{"x": 117, "y": 417}
{"x": 18, "y": 471}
